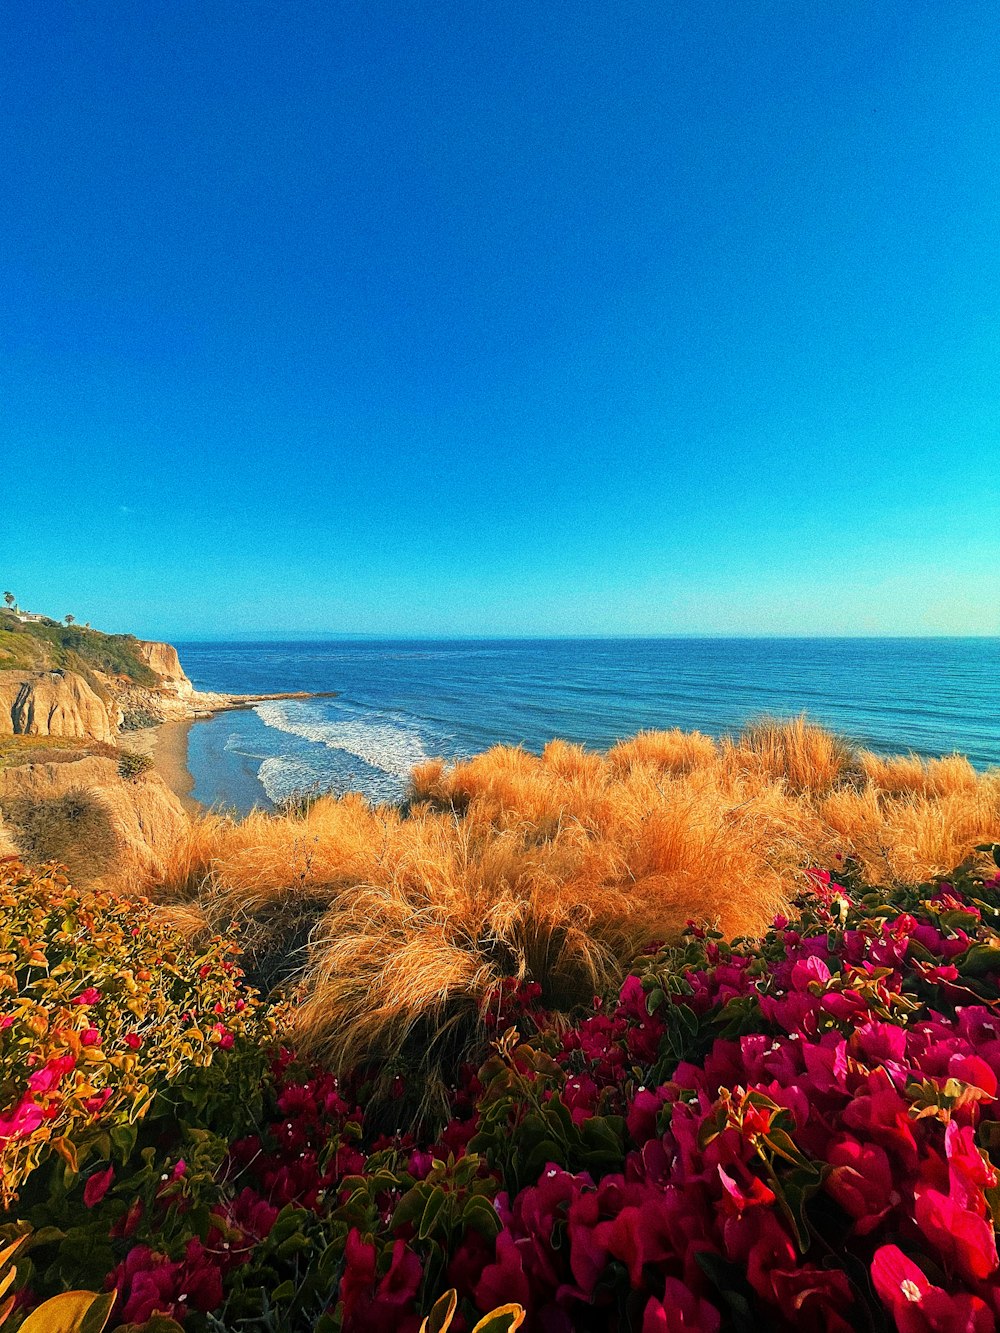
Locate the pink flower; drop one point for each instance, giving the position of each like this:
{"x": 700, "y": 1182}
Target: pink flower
{"x": 643, "y": 1113}
{"x": 89, "y": 996}
{"x": 359, "y": 1271}
{"x": 861, "y": 1181}
{"x": 97, "y": 1101}
{"x": 44, "y": 1080}
{"x": 90, "y": 1037}
{"x": 503, "y": 1280}
{"x": 23, "y": 1120}
{"x": 919, "y": 1307}
{"x": 680, "y": 1311}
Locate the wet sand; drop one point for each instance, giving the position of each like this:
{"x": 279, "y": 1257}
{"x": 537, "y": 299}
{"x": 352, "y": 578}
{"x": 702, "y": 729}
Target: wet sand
{"x": 167, "y": 747}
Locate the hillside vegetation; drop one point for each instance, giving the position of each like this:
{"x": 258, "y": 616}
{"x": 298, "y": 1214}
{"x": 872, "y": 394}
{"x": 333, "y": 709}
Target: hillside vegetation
{"x": 397, "y": 926}
{"x": 47, "y": 645}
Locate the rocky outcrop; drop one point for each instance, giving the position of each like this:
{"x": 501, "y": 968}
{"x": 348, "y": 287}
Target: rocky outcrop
{"x": 80, "y": 812}
{"x": 53, "y": 703}
{"x": 162, "y": 658}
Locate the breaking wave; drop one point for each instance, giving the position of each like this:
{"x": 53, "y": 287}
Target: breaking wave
{"x": 347, "y": 750}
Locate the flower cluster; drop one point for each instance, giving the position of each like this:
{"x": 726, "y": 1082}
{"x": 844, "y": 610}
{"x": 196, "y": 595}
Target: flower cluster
{"x": 829, "y": 1139}
{"x": 101, "y": 1010}
{"x": 800, "y": 1131}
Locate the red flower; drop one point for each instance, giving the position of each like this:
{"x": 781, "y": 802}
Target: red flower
{"x": 98, "y": 1101}
{"x": 965, "y": 1241}
{"x": 680, "y": 1311}
{"x": 359, "y": 1271}
{"x": 861, "y": 1181}
{"x": 503, "y": 1280}
{"x": 97, "y": 1186}
{"x": 89, "y": 996}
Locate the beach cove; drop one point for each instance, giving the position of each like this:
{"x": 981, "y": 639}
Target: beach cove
{"x": 399, "y": 703}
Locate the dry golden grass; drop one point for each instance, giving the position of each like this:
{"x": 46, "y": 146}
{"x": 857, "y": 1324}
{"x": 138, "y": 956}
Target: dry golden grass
{"x": 555, "y": 868}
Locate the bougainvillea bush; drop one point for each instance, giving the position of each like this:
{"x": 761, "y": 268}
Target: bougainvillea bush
{"x": 795, "y": 1132}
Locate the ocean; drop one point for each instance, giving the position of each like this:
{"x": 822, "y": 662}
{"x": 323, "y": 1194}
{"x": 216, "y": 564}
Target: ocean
{"x": 399, "y": 703}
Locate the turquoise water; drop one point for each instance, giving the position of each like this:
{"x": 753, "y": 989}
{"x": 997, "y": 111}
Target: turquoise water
{"x": 401, "y": 702}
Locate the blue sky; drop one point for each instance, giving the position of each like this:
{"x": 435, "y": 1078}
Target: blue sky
{"x": 496, "y": 319}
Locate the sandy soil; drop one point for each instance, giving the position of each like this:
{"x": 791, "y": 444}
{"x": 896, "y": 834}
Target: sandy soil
{"x": 167, "y": 746}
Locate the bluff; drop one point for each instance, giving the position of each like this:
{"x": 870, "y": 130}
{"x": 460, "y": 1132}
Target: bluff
{"x": 76, "y": 682}
{"x": 55, "y": 703}
{"x": 162, "y": 659}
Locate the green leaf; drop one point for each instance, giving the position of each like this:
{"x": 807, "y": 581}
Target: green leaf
{"x": 432, "y": 1211}
{"x": 442, "y": 1313}
{"x": 979, "y": 961}
{"x": 123, "y": 1136}
{"x": 480, "y": 1213}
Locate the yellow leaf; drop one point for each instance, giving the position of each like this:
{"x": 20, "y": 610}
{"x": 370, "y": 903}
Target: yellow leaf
{"x": 8, "y": 1251}
{"x": 67, "y": 1150}
{"x": 71, "y": 1312}
{"x": 502, "y": 1320}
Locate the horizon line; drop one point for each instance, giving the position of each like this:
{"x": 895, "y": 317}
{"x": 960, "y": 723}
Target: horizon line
{"x": 315, "y": 636}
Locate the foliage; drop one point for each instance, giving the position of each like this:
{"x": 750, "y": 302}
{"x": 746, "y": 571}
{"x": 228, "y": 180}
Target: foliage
{"x": 109, "y": 1022}
{"x": 554, "y": 869}
{"x": 796, "y": 1131}
{"x": 132, "y": 765}
{"x": 72, "y": 647}
{"x": 69, "y": 1312}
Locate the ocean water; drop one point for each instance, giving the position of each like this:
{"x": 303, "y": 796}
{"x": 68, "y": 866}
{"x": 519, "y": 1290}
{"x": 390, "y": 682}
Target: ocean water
{"x": 401, "y": 702}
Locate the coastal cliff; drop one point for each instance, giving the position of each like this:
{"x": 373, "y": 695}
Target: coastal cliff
{"x": 162, "y": 659}
{"x": 86, "y": 719}
{"x": 55, "y": 703}
{"x": 74, "y": 707}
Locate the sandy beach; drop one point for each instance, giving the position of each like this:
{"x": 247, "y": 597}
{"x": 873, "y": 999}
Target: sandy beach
{"x": 167, "y": 747}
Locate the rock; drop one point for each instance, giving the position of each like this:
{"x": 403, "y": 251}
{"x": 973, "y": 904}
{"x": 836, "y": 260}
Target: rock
{"x": 162, "y": 658}
{"x": 53, "y": 703}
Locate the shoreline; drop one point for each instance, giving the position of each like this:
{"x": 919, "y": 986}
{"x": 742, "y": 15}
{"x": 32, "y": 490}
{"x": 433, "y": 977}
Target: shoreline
{"x": 166, "y": 746}
{"x": 166, "y": 743}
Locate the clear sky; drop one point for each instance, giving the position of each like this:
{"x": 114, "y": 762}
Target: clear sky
{"x": 458, "y": 318}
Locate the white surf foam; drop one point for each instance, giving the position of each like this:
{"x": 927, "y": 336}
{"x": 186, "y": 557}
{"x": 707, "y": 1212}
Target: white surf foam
{"x": 380, "y": 742}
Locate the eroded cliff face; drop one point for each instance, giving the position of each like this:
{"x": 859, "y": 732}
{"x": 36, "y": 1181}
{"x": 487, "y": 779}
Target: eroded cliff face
{"x": 64, "y": 703}
{"x": 162, "y": 658}
{"x": 80, "y": 812}
{"x": 71, "y": 804}
{"x": 54, "y": 703}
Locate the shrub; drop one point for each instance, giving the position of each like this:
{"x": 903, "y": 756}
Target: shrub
{"x": 556, "y": 868}
{"x": 132, "y": 765}
{"x": 109, "y": 1020}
